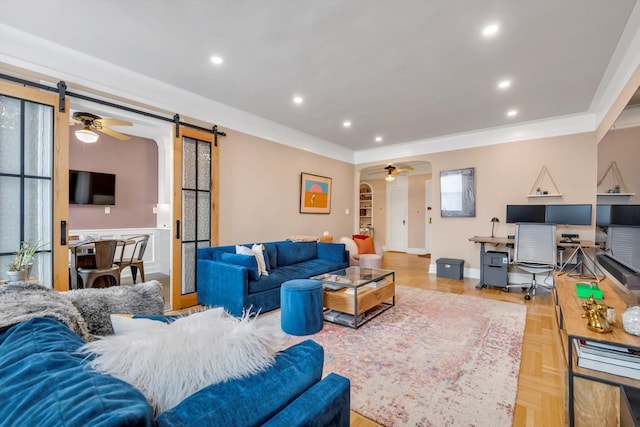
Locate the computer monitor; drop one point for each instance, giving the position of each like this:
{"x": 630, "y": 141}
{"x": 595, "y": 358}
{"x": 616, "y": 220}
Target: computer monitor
{"x": 603, "y": 215}
{"x": 525, "y": 213}
{"x": 569, "y": 214}
{"x": 625, "y": 214}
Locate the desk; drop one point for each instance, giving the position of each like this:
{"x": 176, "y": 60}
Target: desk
{"x": 496, "y": 241}
{"x": 82, "y": 256}
{"x": 577, "y": 246}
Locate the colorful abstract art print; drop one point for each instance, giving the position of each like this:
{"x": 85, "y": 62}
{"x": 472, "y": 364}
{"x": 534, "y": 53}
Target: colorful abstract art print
{"x": 315, "y": 194}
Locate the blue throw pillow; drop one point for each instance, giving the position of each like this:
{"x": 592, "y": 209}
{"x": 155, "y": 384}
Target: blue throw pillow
{"x": 247, "y": 261}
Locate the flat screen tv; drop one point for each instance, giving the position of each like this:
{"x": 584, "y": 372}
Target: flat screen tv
{"x": 625, "y": 214}
{"x": 525, "y": 213}
{"x": 569, "y": 214}
{"x": 92, "y": 188}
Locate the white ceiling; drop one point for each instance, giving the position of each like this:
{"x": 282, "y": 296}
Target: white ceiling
{"x": 408, "y": 70}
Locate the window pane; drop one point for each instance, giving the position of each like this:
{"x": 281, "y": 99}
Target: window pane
{"x": 37, "y": 215}
{"x": 204, "y": 165}
{"x": 204, "y": 215}
{"x": 188, "y": 215}
{"x": 38, "y": 139}
{"x": 188, "y": 268}
{"x": 9, "y": 135}
{"x": 9, "y": 214}
{"x": 188, "y": 163}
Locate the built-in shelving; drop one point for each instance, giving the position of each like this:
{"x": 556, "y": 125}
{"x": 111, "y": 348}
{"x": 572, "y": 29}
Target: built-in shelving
{"x": 366, "y": 208}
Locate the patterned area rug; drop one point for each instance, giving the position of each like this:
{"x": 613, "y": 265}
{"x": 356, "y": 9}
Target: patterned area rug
{"x": 435, "y": 359}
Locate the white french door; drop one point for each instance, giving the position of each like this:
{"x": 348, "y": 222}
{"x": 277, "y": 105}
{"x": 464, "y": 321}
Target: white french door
{"x": 398, "y": 208}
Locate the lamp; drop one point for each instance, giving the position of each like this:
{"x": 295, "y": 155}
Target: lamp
{"x": 493, "y": 224}
{"x": 86, "y": 135}
{"x": 389, "y": 178}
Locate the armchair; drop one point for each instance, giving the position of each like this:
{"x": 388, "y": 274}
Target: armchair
{"x": 363, "y": 260}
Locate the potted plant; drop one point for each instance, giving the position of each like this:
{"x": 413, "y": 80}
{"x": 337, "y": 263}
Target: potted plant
{"x": 20, "y": 268}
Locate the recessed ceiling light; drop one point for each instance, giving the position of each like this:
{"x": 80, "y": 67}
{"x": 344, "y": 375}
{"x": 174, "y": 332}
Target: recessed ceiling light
{"x": 346, "y": 124}
{"x": 490, "y": 30}
{"x": 297, "y": 99}
{"x": 512, "y": 113}
{"x": 378, "y": 139}
{"x": 504, "y": 84}
{"x": 216, "y": 60}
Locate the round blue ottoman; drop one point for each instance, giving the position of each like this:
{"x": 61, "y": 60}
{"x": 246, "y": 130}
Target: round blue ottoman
{"x": 301, "y": 306}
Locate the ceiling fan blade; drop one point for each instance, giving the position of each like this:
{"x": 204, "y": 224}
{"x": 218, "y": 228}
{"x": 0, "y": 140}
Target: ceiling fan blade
{"x": 112, "y": 133}
{"x": 112, "y": 122}
{"x": 398, "y": 170}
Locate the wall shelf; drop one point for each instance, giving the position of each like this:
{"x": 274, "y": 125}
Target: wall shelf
{"x": 538, "y": 184}
{"x": 544, "y": 195}
{"x": 616, "y": 194}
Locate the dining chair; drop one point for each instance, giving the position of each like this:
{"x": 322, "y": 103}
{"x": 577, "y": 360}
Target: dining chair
{"x": 105, "y": 251}
{"x": 135, "y": 261}
{"x": 535, "y": 252}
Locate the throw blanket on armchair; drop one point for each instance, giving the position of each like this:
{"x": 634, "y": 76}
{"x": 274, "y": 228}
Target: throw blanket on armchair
{"x": 21, "y": 301}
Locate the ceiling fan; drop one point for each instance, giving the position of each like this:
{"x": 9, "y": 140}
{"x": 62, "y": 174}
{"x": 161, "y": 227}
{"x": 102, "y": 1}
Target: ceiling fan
{"x": 91, "y": 123}
{"x": 392, "y": 171}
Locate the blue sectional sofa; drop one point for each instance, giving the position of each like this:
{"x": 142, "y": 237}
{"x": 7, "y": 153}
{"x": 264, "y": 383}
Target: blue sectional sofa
{"x": 43, "y": 381}
{"x": 224, "y": 284}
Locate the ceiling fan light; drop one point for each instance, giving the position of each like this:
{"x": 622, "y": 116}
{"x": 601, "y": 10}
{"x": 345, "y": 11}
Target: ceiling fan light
{"x": 389, "y": 178}
{"x": 87, "y": 136}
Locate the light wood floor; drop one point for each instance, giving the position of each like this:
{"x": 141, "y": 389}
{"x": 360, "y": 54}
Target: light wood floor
{"x": 540, "y": 398}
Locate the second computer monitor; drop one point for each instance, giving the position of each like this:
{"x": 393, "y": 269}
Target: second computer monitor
{"x": 569, "y": 214}
{"x": 525, "y": 213}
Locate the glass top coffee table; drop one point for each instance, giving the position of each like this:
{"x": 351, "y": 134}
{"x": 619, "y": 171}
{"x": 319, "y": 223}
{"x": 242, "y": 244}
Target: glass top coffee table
{"x": 354, "y": 295}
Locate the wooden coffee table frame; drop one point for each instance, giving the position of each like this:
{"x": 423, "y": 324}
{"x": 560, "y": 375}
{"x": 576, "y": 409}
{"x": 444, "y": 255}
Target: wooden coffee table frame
{"x": 362, "y": 300}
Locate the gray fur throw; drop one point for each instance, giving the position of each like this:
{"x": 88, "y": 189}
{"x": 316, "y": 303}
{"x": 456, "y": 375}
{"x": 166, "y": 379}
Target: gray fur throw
{"x": 97, "y": 304}
{"x": 21, "y": 301}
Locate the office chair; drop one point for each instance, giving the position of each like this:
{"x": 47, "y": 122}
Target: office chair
{"x": 535, "y": 252}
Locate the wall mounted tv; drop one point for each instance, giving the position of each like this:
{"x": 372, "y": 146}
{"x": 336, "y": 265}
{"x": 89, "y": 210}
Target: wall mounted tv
{"x": 92, "y": 188}
{"x": 525, "y": 213}
{"x": 569, "y": 214}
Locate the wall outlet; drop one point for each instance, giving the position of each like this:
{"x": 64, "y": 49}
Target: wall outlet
{"x": 107, "y": 209}
{"x": 346, "y": 211}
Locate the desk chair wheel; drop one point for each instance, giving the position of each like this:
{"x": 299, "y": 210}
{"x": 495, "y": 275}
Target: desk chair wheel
{"x": 527, "y": 297}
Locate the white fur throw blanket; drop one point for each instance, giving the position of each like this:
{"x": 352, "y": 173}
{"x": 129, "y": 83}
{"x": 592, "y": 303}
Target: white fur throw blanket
{"x": 21, "y": 301}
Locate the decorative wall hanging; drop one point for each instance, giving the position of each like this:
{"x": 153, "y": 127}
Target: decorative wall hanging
{"x": 458, "y": 193}
{"x": 315, "y": 194}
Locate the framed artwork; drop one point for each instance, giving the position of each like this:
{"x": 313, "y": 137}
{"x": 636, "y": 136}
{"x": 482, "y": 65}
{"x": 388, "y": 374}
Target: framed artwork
{"x": 315, "y": 194}
{"x": 458, "y": 193}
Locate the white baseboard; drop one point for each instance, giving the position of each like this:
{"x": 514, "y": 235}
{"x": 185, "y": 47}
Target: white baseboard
{"x": 417, "y": 251}
{"x": 513, "y": 278}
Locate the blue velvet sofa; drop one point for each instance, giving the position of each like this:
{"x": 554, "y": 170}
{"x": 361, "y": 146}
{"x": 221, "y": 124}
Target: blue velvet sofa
{"x": 44, "y": 382}
{"x": 232, "y": 286}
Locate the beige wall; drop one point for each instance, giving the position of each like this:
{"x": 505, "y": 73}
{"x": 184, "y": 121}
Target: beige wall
{"x": 260, "y": 191}
{"x": 504, "y": 174}
{"x": 623, "y": 147}
{"x": 135, "y": 164}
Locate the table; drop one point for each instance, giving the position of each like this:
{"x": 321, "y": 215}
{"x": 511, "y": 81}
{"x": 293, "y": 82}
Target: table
{"x": 82, "y": 256}
{"x": 355, "y": 295}
{"x": 595, "y": 398}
